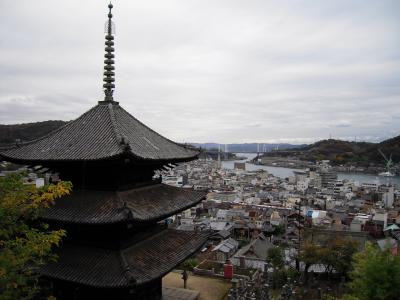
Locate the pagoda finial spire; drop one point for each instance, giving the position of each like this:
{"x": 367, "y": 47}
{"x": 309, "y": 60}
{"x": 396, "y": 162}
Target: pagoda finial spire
{"x": 109, "y": 61}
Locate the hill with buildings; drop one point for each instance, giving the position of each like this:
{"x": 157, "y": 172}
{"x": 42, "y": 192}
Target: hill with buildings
{"x": 342, "y": 152}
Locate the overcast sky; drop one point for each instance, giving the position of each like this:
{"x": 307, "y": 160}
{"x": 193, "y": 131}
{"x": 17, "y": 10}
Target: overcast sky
{"x": 201, "y": 71}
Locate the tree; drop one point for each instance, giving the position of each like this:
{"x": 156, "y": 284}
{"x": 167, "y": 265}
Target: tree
{"x": 279, "y": 230}
{"x": 25, "y": 242}
{"x": 310, "y": 255}
{"x": 375, "y": 274}
{"x": 276, "y": 257}
{"x": 189, "y": 264}
{"x": 337, "y": 255}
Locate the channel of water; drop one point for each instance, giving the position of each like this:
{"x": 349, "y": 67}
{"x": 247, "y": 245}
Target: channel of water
{"x": 287, "y": 172}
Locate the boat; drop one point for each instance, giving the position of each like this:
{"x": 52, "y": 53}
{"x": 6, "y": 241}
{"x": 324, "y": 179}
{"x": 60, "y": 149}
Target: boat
{"x": 386, "y": 174}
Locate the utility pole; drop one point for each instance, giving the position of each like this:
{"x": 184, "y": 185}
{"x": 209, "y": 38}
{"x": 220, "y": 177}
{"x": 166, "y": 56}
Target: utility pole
{"x": 298, "y": 208}
{"x": 219, "y": 157}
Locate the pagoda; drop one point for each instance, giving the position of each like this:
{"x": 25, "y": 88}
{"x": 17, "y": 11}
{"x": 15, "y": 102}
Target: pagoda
{"x": 117, "y": 246}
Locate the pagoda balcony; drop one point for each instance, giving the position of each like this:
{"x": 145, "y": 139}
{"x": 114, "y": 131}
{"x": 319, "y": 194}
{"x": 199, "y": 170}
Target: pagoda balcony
{"x": 147, "y": 204}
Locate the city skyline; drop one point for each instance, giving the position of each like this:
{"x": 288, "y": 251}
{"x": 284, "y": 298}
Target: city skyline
{"x": 230, "y": 71}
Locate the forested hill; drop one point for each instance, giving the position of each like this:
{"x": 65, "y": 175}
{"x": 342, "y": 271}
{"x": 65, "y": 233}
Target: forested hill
{"x": 27, "y": 132}
{"x": 390, "y": 146}
{"x": 341, "y": 152}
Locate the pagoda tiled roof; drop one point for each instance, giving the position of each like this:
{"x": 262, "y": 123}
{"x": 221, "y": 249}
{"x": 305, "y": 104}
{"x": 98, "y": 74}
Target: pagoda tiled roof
{"x": 105, "y": 131}
{"x": 150, "y": 203}
{"x": 149, "y": 259}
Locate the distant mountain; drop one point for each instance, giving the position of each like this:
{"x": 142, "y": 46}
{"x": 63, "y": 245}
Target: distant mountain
{"x": 27, "y": 132}
{"x": 342, "y": 152}
{"x": 246, "y": 147}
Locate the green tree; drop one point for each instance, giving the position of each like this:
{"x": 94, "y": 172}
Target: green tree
{"x": 310, "y": 255}
{"x": 276, "y": 257}
{"x": 375, "y": 275}
{"x": 337, "y": 255}
{"x": 279, "y": 230}
{"x": 25, "y": 242}
{"x": 189, "y": 264}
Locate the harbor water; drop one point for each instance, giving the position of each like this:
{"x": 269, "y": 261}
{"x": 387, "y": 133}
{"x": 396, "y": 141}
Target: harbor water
{"x": 287, "y": 172}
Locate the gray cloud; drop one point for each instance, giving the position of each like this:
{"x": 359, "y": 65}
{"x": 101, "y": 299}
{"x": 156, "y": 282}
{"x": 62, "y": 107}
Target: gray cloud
{"x": 226, "y": 71}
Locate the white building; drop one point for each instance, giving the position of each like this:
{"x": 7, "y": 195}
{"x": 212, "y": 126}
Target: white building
{"x": 387, "y": 196}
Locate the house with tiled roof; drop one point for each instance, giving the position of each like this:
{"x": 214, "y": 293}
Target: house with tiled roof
{"x": 225, "y": 249}
{"x": 254, "y": 254}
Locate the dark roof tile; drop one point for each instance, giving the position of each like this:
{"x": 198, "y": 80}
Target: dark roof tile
{"x": 153, "y": 202}
{"x": 139, "y": 263}
{"x": 104, "y": 131}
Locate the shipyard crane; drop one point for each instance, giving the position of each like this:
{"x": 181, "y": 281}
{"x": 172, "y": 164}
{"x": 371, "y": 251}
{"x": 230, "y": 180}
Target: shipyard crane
{"x": 388, "y": 166}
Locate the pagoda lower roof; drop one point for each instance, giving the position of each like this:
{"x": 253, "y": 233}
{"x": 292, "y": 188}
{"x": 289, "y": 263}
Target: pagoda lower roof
{"x": 145, "y": 261}
{"x": 103, "y": 132}
{"x": 150, "y": 203}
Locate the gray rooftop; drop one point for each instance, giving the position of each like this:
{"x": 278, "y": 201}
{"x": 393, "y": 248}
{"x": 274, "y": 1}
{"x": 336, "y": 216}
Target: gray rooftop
{"x": 103, "y": 132}
{"x": 145, "y": 261}
{"x": 153, "y": 202}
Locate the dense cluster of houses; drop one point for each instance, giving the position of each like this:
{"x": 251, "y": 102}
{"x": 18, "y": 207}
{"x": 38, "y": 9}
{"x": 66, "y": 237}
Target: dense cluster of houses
{"x": 252, "y": 211}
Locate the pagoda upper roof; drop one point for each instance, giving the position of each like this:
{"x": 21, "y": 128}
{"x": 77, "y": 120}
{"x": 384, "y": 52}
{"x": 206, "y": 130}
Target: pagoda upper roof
{"x": 147, "y": 260}
{"x": 150, "y": 203}
{"x": 103, "y": 132}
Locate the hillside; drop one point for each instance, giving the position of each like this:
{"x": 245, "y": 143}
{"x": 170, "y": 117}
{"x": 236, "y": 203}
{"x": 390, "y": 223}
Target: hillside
{"x": 390, "y": 146}
{"x": 342, "y": 152}
{"x": 26, "y": 132}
